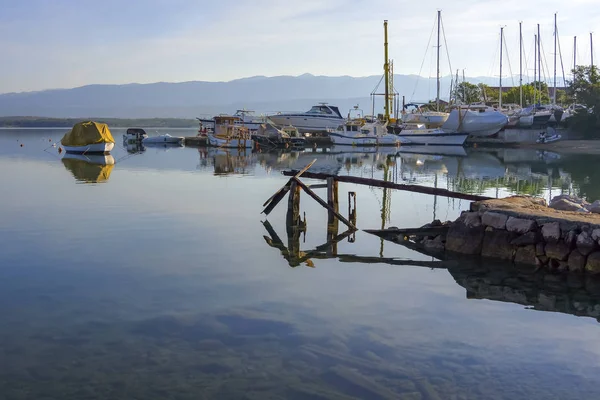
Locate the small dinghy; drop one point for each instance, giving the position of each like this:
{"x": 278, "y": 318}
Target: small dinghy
{"x": 544, "y": 138}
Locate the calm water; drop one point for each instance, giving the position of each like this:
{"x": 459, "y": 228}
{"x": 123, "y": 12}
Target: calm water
{"x": 157, "y": 282}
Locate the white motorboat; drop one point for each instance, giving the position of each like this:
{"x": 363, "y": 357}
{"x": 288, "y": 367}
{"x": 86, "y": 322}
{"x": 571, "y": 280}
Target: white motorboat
{"x": 358, "y": 132}
{"x": 164, "y": 139}
{"x": 135, "y": 134}
{"x": 480, "y": 121}
{"x": 319, "y": 118}
{"x": 544, "y": 138}
{"x": 414, "y": 114}
{"x": 88, "y": 137}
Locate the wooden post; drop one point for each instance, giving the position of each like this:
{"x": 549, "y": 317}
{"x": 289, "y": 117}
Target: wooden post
{"x": 332, "y": 221}
{"x": 293, "y": 222}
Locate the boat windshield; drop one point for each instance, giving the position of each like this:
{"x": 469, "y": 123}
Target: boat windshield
{"x": 320, "y": 110}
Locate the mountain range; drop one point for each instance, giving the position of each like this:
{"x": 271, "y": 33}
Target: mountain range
{"x": 198, "y": 98}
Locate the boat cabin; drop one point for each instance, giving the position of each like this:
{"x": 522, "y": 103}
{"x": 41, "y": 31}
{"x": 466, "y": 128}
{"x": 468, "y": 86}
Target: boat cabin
{"x": 325, "y": 109}
{"x": 135, "y": 134}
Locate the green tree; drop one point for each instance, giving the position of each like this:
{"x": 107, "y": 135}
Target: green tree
{"x": 585, "y": 89}
{"x": 530, "y": 93}
{"x": 467, "y": 93}
{"x": 488, "y": 94}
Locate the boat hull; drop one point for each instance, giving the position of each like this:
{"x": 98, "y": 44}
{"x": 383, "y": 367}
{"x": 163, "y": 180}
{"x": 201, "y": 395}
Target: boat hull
{"x": 306, "y": 123}
{"x": 473, "y": 123}
{"x": 90, "y": 148}
{"x": 340, "y": 139}
{"x": 163, "y": 140}
{"x": 229, "y": 142}
{"x": 415, "y": 137}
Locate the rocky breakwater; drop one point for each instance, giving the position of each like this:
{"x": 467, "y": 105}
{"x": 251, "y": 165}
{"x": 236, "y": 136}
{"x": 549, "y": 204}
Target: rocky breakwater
{"x": 564, "y": 236}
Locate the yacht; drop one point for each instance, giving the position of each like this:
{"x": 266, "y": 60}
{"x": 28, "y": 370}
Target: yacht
{"x": 321, "y": 117}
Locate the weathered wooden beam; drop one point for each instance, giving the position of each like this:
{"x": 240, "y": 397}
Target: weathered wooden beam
{"x": 286, "y": 186}
{"x": 324, "y": 203}
{"x": 391, "y": 185}
{"x": 318, "y": 186}
{"x": 276, "y": 199}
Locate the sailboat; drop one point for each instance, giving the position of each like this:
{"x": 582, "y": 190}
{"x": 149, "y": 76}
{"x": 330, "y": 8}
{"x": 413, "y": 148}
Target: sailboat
{"x": 431, "y": 119}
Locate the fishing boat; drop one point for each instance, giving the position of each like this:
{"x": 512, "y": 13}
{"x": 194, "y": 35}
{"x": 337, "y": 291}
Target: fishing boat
{"x": 164, "y": 139}
{"x": 228, "y": 134}
{"x": 135, "y": 134}
{"x": 320, "y": 117}
{"x": 88, "y": 137}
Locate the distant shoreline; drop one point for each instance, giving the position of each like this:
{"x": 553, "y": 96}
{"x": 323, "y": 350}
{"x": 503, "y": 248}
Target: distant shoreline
{"x": 44, "y": 122}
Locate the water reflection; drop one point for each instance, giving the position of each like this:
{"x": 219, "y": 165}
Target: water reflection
{"x": 89, "y": 168}
{"x": 227, "y": 161}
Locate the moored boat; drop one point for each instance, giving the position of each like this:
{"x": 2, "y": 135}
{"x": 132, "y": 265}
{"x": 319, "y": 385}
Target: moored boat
{"x": 88, "y": 137}
{"x": 164, "y": 139}
{"x": 228, "y": 134}
{"x": 358, "y": 132}
{"x": 481, "y": 121}
{"x": 319, "y": 118}
{"x": 135, "y": 134}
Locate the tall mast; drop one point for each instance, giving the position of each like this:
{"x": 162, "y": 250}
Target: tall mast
{"x": 592, "y": 50}
{"x": 539, "y": 49}
{"x": 500, "y": 89}
{"x": 555, "y": 38}
{"x": 574, "y": 55}
{"x": 437, "y": 98}
{"x": 386, "y": 70}
{"x": 520, "y": 64}
{"x": 535, "y": 43}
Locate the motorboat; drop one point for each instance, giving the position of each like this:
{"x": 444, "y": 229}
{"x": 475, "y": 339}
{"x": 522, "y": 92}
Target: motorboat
{"x": 358, "y": 132}
{"x": 413, "y": 113}
{"x": 287, "y": 136}
{"x": 135, "y": 134}
{"x": 475, "y": 120}
{"x": 88, "y": 137}
{"x": 320, "y": 117}
{"x": 164, "y": 139}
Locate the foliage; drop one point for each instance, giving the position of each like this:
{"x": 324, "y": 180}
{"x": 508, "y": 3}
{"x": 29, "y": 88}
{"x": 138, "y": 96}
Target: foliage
{"x": 43, "y": 122}
{"x": 488, "y": 95}
{"x": 467, "y": 93}
{"x": 531, "y": 95}
{"x": 585, "y": 89}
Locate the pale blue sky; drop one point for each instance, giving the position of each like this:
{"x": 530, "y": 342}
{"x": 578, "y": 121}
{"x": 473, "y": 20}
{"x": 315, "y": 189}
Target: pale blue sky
{"x": 61, "y": 44}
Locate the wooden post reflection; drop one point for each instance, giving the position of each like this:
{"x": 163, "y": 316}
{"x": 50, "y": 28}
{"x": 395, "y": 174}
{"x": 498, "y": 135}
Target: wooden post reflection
{"x": 332, "y": 221}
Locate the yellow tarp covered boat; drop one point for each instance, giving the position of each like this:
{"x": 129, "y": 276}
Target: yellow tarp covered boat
{"x": 88, "y": 137}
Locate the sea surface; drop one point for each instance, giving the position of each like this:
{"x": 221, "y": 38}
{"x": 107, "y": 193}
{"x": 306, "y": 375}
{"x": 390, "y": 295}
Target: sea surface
{"x": 159, "y": 278}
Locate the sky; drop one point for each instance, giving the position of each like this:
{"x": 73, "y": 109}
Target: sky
{"x": 62, "y": 44}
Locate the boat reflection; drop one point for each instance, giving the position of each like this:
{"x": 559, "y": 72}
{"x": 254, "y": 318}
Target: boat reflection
{"x": 89, "y": 168}
{"x": 227, "y": 161}
{"x": 134, "y": 147}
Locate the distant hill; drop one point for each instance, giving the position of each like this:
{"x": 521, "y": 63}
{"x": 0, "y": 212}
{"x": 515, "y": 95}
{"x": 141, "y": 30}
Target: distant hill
{"x": 46, "y": 122}
{"x": 192, "y": 99}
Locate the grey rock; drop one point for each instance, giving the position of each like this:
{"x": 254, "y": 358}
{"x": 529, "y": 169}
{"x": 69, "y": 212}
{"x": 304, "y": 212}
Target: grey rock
{"x": 526, "y": 255}
{"x": 541, "y": 260}
{"x": 562, "y": 266}
{"x": 576, "y": 261}
{"x": 551, "y": 231}
{"x": 557, "y": 251}
{"x": 433, "y": 244}
{"x": 527, "y": 239}
{"x": 520, "y": 225}
{"x": 494, "y": 219}
{"x": 592, "y": 265}
{"x": 540, "y": 249}
{"x": 496, "y": 244}
{"x": 570, "y": 238}
{"x": 585, "y": 243}
{"x": 594, "y": 207}
{"x": 471, "y": 219}
{"x": 572, "y": 199}
{"x": 565, "y": 205}
{"x": 596, "y": 234}
{"x": 464, "y": 239}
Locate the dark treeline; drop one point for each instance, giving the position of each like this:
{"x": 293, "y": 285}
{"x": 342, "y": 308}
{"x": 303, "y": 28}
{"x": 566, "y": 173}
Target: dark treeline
{"x": 43, "y": 122}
